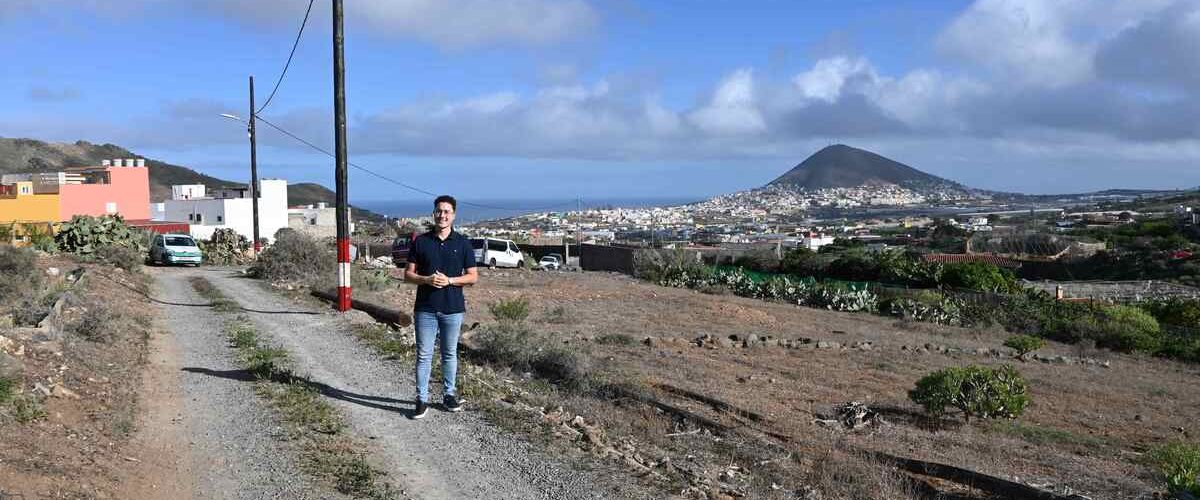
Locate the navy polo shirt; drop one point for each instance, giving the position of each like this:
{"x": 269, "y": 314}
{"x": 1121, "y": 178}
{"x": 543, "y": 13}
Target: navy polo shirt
{"x": 452, "y": 256}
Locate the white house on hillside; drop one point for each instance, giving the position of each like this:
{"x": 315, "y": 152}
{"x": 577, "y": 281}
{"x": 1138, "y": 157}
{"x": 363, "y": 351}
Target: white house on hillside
{"x": 226, "y": 208}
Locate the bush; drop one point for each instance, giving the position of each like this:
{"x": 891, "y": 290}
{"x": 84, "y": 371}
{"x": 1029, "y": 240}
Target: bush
{"x": 655, "y": 265}
{"x": 122, "y": 256}
{"x": 296, "y": 258}
{"x": 616, "y": 339}
{"x": 1024, "y": 344}
{"x": 516, "y": 347}
{"x": 1129, "y": 329}
{"x": 1179, "y": 463}
{"x": 1174, "y": 311}
{"x": 8, "y": 388}
{"x": 20, "y": 277}
{"x": 980, "y": 276}
{"x": 97, "y": 323}
{"x": 759, "y": 259}
{"x": 975, "y": 390}
{"x": 514, "y": 310}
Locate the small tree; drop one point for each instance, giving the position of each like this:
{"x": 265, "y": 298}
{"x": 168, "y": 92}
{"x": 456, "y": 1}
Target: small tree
{"x": 1024, "y": 344}
{"x": 976, "y": 390}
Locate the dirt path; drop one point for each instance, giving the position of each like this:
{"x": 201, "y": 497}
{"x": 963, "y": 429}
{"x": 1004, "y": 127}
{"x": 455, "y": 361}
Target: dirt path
{"x": 444, "y": 456}
{"x": 205, "y": 436}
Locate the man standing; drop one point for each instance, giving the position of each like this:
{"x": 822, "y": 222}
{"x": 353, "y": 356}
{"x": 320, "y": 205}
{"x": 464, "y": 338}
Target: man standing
{"x": 440, "y": 262}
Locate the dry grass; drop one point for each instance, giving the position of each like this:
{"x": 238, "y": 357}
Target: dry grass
{"x": 1084, "y": 430}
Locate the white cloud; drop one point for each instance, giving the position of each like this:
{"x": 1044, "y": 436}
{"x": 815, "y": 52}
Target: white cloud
{"x": 447, "y": 23}
{"x": 828, "y": 76}
{"x": 733, "y": 109}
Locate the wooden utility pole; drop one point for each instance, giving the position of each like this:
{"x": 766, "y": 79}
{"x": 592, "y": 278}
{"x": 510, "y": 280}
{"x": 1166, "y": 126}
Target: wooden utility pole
{"x": 339, "y": 131}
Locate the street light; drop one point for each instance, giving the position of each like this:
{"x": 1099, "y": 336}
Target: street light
{"x": 253, "y": 164}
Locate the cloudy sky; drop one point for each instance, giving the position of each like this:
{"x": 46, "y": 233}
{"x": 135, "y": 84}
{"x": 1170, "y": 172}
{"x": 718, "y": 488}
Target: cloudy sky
{"x": 495, "y": 99}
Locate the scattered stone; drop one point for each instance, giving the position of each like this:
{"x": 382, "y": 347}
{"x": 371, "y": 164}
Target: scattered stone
{"x": 865, "y": 346}
{"x": 62, "y": 392}
{"x": 53, "y": 271}
{"x": 41, "y": 389}
{"x": 825, "y": 344}
{"x": 6, "y": 321}
{"x": 648, "y": 341}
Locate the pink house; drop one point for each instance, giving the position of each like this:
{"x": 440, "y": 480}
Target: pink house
{"x": 122, "y": 189}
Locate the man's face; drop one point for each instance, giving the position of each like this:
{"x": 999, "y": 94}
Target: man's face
{"x": 443, "y": 215}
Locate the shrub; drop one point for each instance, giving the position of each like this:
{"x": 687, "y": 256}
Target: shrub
{"x": 1179, "y": 463}
{"x": 759, "y": 259}
{"x": 1128, "y": 329}
{"x": 980, "y": 276}
{"x": 97, "y": 322}
{"x": 514, "y": 310}
{"x": 122, "y": 256}
{"x": 296, "y": 258}
{"x": 7, "y": 388}
{"x": 1174, "y": 311}
{"x": 85, "y": 235}
{"x": 20, "y": 277}
{"x": 370, "y": 279}
{"x": 516, "y": 347}
{"x": 1024, "y": 344}
{"x": 655, "y": 265}
{"x": 975, "y": 390}
{"x": 616, "y": 339}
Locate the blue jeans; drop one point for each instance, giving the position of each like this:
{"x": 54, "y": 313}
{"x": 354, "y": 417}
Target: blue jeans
{"x": 430, "y": 326}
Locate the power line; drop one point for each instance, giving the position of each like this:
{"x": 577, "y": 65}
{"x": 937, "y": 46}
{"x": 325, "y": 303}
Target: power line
{"x": 289, "y": 59}
{"x": 399, "y": 183}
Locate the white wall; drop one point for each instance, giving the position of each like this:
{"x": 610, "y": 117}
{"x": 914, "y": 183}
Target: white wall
{"x": 187, "y": 191}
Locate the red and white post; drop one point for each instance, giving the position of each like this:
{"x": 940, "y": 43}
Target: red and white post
{"x": 339, "y": 131}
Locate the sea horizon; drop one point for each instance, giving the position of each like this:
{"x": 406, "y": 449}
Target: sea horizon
{"x": 476, "y": 210}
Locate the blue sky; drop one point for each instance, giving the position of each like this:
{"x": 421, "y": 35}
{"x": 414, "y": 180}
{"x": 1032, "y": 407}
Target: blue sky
{"x": 556, "y": 99}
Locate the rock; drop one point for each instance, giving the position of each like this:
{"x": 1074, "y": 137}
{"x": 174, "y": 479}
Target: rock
{"x": 10, "y": 367}
{"x": 825, "y": 344}
{"x": 41, "y": 389}
{"x": 648, "y": 341}
{"x": 983, "y": 351}
{"x": 62, "y": 392}
{"x": 6, "y": 321}
{"x": 53, "y": 271}
{"x": 865, "y": 346}
{"x": 7, "y": 344}
{"x": 725, "y": 343}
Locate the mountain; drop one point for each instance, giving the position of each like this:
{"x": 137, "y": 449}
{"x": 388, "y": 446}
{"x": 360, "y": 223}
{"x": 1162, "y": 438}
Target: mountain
{"x": 29, "y": 155}
{"x": 841, "y": 166}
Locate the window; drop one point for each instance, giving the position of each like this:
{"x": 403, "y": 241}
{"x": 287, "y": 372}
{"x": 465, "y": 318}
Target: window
{"x": 24, "y": 189}
{"x": 477, "y": 243}
{"x": 497, "y": 245}
{"x": 110, "y": 207}
{"x": 513, "y": 247}
{"x": 191, "y": 217}
{"x": 180, "y": 241}
{"x": 220, "y": 218}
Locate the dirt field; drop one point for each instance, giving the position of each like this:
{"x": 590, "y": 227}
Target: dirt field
{"x": 1085, "y": 431}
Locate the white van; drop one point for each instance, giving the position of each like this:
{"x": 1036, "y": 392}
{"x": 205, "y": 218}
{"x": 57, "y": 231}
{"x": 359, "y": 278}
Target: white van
{"x": 492, "y": 252}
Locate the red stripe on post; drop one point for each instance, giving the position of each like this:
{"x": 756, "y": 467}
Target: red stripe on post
{"x": 343, "y": 250}
{"x": 343, "y": 304}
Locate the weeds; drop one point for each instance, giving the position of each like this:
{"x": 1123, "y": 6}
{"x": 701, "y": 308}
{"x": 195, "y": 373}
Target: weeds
{"x": 97, "y": 323}
{"x": 514, "y": 310}
{"x": 1179, "y": 463}
{"x": 26, "y": 409}
{"x": 385, "y": 341}
{"x": 847, "y": 475}
{"x": 328, "y": 453}
{"x": 7, "y": 389}
{"x": 557, "y": 316}
{"x": 518, "y": 348}
{"x": 20, "y": 276}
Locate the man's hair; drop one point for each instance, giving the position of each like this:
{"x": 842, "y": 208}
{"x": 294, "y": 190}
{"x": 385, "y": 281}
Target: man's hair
{"x": 445, "y": 198}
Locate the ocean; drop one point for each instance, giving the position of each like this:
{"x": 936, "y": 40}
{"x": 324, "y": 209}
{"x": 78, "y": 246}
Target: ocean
{"x": 475, "y": 210}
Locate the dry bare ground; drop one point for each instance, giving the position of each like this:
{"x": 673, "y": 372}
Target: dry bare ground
{"x": 78, "y": 386}
{"x": 1085, "y": 432}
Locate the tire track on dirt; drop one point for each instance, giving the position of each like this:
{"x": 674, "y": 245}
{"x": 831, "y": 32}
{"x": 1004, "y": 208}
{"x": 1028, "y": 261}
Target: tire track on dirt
{"x": 444, "y": 456}
{"x": 232, "y": 446}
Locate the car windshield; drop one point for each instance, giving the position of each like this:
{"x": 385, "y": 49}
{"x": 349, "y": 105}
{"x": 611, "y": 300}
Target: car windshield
{"x": 180, "y": 241}
{"x": 550, "y": 259}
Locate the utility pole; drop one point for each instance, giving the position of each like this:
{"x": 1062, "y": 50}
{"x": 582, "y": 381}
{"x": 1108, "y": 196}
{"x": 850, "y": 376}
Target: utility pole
{"x": 579, "y": 228}
{"x": 253, "y": 171}
{"x": 339, "y": 131}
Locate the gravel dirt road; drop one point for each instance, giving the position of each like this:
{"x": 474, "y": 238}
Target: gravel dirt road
{"x": 444, "y": 456}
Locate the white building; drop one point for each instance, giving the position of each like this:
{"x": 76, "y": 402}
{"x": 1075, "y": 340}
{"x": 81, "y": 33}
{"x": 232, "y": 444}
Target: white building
{"x": 814, "y": 241}
{"x": 226, "y": 208}
{"x": 319, "y": 221}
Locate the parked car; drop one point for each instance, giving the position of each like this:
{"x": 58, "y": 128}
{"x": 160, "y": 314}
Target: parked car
{"x": 175, "y": 249}
{"x": 549, "y": 263}
{"x": 494, "y": 252}
{"x": 400, "y": 249}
